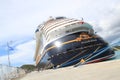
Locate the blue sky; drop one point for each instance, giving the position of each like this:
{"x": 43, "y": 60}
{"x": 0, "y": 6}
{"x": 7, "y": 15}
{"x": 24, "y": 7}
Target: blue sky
{"x": 20, "y": 18}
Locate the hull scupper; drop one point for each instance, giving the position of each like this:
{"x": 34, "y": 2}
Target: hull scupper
{"x": 63, "y": 42}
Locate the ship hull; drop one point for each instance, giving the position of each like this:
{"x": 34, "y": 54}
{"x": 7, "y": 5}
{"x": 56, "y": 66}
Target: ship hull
{"x": 77, "y": 47}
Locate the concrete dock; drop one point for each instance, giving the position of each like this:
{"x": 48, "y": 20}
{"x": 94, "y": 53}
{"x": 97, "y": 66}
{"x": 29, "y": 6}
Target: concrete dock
{"x": 109, "y": 70}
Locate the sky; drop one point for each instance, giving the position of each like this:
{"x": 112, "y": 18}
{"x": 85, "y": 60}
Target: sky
{"x": 20, "y": 18}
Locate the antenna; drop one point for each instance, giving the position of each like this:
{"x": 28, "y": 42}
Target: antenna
{"x": 8, "y": 50}
{"x": 82, "y": 19}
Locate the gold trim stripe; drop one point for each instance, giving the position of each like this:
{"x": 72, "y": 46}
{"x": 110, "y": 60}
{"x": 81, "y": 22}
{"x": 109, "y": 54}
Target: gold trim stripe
{"x": 61, "y": 44}
{"x": 71, "y": 41}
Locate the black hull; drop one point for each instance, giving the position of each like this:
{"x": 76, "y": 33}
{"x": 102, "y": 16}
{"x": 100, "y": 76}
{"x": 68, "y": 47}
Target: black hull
{"x": 73, "y": 49}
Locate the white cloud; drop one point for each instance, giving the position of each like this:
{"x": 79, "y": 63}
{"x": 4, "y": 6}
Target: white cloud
{"x": 110, "y": 24}
{"x": 22, "y": 55}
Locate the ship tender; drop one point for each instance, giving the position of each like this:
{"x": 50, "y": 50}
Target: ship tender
{"x": 63, "y": 42}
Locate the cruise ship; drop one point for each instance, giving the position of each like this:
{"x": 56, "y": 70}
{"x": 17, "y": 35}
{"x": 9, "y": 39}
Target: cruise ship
{"x": 62, "y": 42}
